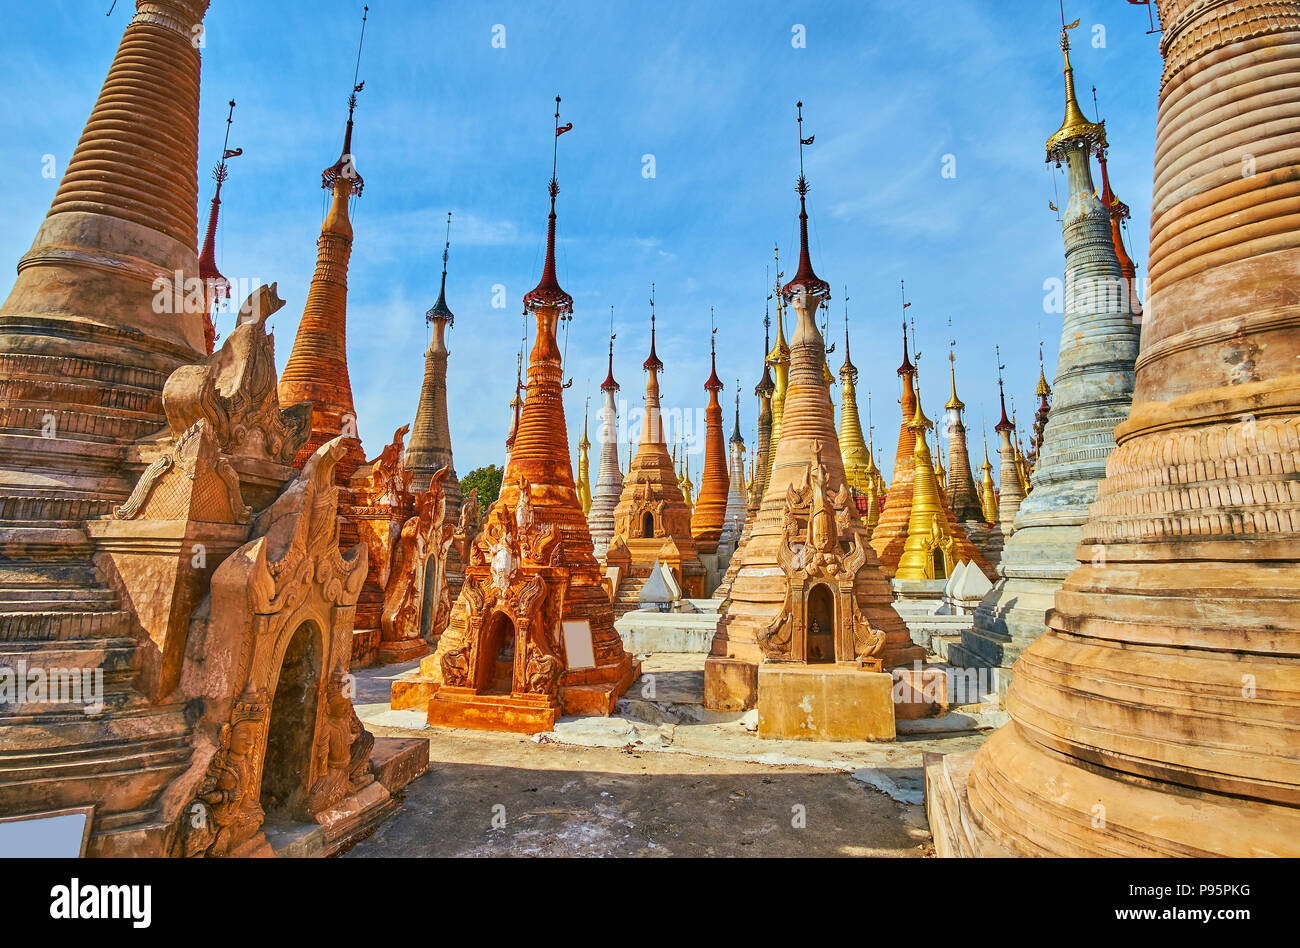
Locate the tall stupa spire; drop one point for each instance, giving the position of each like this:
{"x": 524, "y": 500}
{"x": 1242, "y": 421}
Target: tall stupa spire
{"x": 711, "y": 505}
{"x": 962, "y": 496}
{"x": 890, "y": 533}
{"x": 1093, "y": 392}
{"x": 609, "y": 476}
{"x": 764, "y": 390}
{"x": 778, "y": 358}
{"x": 317, "y": 370}
{"x": 538, "y": 498}
{"x": 216, "y": 286}
{"x": 807, "y": 458}
{"x": 853, "y": 447}
{"x": 737, "y": 500}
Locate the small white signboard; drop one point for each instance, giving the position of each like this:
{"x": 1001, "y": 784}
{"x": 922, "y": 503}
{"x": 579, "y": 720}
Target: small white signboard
{"x": 58, "y": 834}
{"x": 577, "y": 643}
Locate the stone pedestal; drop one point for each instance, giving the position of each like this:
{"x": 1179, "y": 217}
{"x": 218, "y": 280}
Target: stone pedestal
{"x": 824, "y": 703}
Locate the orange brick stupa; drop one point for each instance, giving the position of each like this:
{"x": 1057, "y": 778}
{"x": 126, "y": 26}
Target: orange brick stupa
{"x": 652, "y": 522}
{"x": 823, "y": 611}
{"x": 711, "y": 506}
{"x": 532, "y": 632}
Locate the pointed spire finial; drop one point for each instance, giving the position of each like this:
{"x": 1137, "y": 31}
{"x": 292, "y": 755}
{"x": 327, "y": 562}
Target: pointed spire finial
{"x": 652, "y": 363}
{"x": 440, "y": 309}
{"x": 1076, "y": 126}
{"x": 714, "y": 384}
{"x": 345, "y": 168}
{"x": 805, "y": 279}
{"x": 1005, "y": 423}
{"x": 548, "y": 291}
{"x": 906, "y": 368}
{"x": 609, "y": 385}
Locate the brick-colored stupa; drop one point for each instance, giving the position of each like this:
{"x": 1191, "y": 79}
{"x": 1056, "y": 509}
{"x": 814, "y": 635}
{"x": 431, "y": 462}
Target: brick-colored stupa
{"x": 532, "y": 633}
{"x": 711, "y": 506}
{"x": 652, "y": 522}
{"x": 1156, "y": 715}
{"x": 155, "y": 536}
{"x": 778, "y": 612}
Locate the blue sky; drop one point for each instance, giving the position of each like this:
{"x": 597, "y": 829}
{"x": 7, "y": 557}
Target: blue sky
{"x": 448, "y": 121}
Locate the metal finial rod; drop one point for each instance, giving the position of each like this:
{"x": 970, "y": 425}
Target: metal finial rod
{"x": 555, "y": 146}
{"x": 356, "y": 73}
{"x": 799, "y": 106}
{"x": 446, "y": 246}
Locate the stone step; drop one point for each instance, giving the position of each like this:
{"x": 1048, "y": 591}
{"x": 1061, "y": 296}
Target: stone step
{"x": 111, "y": 654}
{"x": 64, "y": 625}
{"x": 71, "y": 734}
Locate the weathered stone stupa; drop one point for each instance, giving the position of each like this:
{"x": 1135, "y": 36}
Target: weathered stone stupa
{"x": 733, "y": 523}
{"x": 532, "y": 633}
{"x": 832, "y": 609}
{"x": 1094, "y": 385}
{"x": 609, "y": 478}
{"x": 1157, "y": 714}
{"x": 652, "y": 522}
{"x": 963, "y": 499}
{"x": 156, "y": 537}
{"x": 429, "y": 450}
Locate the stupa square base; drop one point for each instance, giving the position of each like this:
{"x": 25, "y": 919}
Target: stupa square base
{"x": 412, "y": 692}
{"x": 825, "y": 703}
{"x": 584, "y": 693}
{"x": 519, "y": 714}
{"x": 390, "y": 653}
{"x": 730, "y": 684}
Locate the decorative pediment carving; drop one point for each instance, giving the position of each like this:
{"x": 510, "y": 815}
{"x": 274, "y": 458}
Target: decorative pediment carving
{"x": 234, "y": 390}
{"x": 819, "y": 549}
{"x": 191, "y": 480}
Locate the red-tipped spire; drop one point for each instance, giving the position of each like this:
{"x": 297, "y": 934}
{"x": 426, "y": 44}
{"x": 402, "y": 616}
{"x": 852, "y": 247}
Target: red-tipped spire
{"x": 609, "y": 385}
{"x": 218, "y": 287}
{"x": 1005, "y": 424}
{"x": 805, "y": 278}
{"x": 906, "y": 368}
{"x": 714, "y": 384}
{"x": 652, "y": 363}
{"x": 346, "y": 167}
{"x": 548, "y": 291}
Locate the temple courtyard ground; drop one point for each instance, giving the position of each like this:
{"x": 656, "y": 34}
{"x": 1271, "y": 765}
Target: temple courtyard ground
{"x": 663, "y": 777}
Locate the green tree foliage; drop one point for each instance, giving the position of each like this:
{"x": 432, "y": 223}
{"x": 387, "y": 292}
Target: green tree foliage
{"x": 487, "y": 480}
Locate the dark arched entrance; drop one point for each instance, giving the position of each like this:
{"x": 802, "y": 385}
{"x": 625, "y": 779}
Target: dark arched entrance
{"x": 939, "y": 563}
{"x": 820, "y": 625}
{"x": 648, "y": 525}
{"x": 496, "y": 670}
{"x": 292, "y": 728}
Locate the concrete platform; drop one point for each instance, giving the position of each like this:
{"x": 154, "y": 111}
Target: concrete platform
{"x": 825, "y": 703}
{"x": 688, "y": 628}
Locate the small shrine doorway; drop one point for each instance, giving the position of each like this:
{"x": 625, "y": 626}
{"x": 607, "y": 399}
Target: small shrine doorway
{"x": 939, "y": 563}
{"x": 292, "y": 727}
{"x": 820, "y": 625}
{"x": 496, "y": 669}
{"x": 648, "y": 525}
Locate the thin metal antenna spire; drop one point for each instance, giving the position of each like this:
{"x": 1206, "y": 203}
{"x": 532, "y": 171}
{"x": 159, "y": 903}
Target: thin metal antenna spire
{"x": 356, "y": 73}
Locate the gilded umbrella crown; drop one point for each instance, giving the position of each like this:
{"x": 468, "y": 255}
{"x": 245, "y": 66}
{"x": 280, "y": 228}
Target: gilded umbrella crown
{"x": 766, "y": 386}
{"x": 1076, "y": 126}
{"x": 652, "y": 362}
{"x": 714, "y": 384}
{"x": 953, "y": 400}
{"x": 609, "y": 385}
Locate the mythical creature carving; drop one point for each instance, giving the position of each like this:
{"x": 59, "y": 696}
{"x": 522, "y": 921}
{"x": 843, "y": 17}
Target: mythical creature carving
{"x": 423, "y": 536}
{"x": 234, "y": 389}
